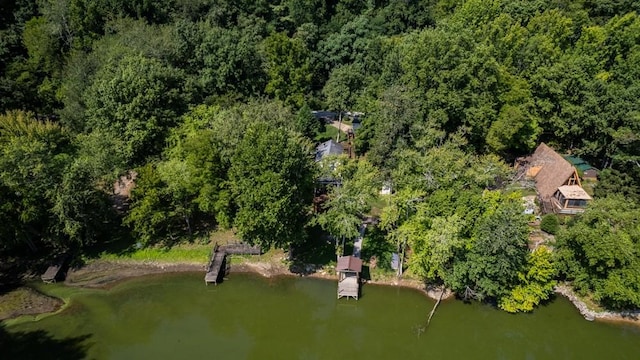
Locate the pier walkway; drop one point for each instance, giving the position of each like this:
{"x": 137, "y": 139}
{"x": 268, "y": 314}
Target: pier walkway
{"x": 357, "y": 245}
{"x": 216, "y": 268}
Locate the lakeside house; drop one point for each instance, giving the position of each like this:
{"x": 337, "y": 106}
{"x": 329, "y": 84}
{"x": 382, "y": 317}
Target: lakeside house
{"x": 326, "y": 179}
{"x": 323, "y": 151}
{"x": 557, "y": 181}
{"x": 327, "y": 148}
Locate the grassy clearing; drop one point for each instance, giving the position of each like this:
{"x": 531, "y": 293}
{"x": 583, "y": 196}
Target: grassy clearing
{"x": 179, "y": 253}
{"x": 329, "y": 133}
{"x": 589, "y": 186}
{"x": 271, "y": 256}
{"x": 524, "y": 191}
{"x": 380, "y": 274}
{"x": 197, "y": 251}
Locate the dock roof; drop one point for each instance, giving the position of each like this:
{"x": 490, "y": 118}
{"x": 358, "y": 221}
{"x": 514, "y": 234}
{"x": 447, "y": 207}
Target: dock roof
{"x": 349, "y": 263}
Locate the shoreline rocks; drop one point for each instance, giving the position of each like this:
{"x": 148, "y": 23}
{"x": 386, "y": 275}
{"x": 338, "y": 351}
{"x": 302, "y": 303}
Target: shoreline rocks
{"x": 591, "y": 315}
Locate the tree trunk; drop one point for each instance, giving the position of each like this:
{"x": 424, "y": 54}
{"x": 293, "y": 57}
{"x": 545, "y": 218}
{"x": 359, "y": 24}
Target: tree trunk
{"x": 186, "y": 219}
{"x": 433, "y": 311}
{"x": 339, "y": 126}
{"x": 404, "y": 245}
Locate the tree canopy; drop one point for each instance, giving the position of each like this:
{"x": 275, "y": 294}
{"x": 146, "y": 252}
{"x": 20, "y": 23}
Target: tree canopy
{"x": 210, "y": 104}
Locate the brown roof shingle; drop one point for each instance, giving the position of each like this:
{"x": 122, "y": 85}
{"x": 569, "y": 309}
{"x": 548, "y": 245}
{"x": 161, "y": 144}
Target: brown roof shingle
{"x": 349, "y": 263}
{"x": 554, "y": 171}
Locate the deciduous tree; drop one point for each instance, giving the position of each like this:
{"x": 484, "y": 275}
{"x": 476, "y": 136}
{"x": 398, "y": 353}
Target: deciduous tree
{"x": 271, "y": 179}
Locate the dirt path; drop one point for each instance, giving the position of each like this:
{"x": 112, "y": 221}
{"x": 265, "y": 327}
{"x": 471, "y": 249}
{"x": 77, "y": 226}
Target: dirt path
{"x": 343, "y": 127}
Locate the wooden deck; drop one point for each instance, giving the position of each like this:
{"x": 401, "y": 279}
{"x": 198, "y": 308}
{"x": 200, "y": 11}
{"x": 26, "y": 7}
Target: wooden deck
{"x": 217, "y": 269}
{"x": 349, "y": 287}
{"x": 54, "y": 272}
{"x": 241, "y": 249}
{"x": 51, "y": 275}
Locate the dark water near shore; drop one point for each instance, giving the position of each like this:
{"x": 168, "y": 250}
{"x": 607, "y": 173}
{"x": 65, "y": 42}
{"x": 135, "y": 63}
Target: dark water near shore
{"x": 176, "y": 316}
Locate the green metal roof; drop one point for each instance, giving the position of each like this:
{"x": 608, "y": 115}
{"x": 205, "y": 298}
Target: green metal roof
{"x": 578, "y": 162}
{"x": 583, "y": 167}
{"x": 574, "y": 160}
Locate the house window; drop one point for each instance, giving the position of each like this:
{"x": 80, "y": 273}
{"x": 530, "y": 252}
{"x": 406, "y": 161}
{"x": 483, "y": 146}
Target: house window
{"x": 577, "y": 203}
{"x": 559, "y": 197}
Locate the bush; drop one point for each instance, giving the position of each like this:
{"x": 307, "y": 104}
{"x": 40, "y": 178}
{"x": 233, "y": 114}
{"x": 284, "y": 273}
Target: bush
{"x": 550, "y": 224}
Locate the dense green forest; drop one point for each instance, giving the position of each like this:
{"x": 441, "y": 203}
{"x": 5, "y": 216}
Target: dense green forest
{"x": 209, "y": 103}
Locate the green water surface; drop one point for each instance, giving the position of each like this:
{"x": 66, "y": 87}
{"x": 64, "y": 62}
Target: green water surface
{"x": 175, "y": 316}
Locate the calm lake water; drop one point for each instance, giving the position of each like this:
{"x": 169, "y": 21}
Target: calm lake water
{"x": 176, "y": 316}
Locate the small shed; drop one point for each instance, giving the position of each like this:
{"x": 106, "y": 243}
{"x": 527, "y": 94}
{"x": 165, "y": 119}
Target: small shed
{"x": 395, "y": 261}
{"x": 386, "y": 188}
{"x": 349, "y": 269}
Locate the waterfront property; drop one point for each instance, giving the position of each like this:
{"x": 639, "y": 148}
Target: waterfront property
{"x": 327, "y": 148}
{"x": 171, "y": 316}
{"x": 557, "y": 181}
{"x": 349, "y": 269}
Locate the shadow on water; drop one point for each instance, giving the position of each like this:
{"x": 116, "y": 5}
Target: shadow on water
{"x": 549, "y": 301}
{"x": 41, "y": 345}
{"x": 366, "y": 273}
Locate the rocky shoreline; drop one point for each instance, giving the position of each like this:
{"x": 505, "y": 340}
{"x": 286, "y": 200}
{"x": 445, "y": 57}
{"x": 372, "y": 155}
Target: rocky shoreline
{"x": 591, "y": 315}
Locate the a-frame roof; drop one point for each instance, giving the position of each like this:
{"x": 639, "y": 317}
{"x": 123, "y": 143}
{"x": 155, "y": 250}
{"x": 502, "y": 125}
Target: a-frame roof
{"x": 554, "y": 170}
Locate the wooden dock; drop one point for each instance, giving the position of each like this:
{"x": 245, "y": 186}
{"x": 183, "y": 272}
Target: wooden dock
{"x": 242, "y": 249}
{"x": 55, "y": 271}
{"x": 349, "y": 269}
{"x": 217, "y": 269}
